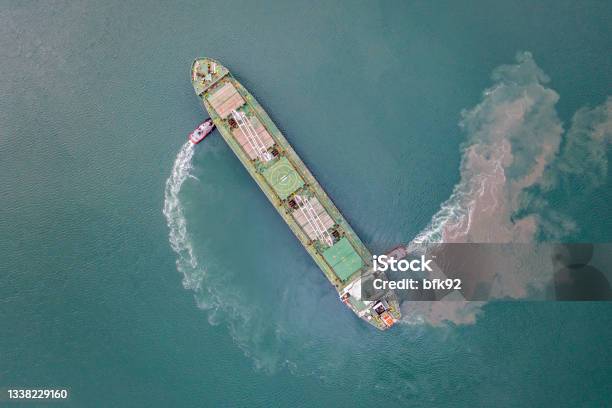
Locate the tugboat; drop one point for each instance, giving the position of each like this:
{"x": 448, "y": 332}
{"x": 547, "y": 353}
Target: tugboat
{"x": 201, "y": 131}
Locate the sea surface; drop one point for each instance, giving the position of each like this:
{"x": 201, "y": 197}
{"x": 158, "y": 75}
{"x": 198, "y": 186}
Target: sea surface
{"x": 138, "y": 271}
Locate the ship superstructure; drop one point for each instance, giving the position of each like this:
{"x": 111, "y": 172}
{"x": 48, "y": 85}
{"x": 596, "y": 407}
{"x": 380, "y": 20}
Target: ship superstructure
{"x": 291, "y": 188}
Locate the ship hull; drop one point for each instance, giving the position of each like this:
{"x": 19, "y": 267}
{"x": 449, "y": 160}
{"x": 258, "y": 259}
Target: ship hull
{"x": 238, "y": 116}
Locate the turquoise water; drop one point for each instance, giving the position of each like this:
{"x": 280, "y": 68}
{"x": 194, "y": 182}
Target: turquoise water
{"x": 95, "y": 105}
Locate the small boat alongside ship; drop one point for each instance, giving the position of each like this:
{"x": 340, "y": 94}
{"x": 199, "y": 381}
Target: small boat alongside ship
{"x": 201, "y": 131}
{"x": 293, "y": 191}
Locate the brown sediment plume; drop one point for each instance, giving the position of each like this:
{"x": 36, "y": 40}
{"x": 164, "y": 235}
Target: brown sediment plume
{"x": 512, "y": 147}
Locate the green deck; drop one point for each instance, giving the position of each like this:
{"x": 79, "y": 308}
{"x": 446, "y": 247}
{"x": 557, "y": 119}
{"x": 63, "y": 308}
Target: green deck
{"x": 283, "y": 178}
{"x": 343, "y": 259}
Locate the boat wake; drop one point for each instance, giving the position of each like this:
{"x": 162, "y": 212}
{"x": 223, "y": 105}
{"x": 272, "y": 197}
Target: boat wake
{"x": 186, "y": 262}
{"x": 213, "y": 293}
{"x": 516, "y": 152}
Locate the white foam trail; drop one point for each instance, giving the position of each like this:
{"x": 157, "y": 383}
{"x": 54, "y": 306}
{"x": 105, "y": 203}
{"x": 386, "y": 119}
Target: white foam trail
{"x": 211, "y": 292}
{"x": 513, "y": 156}
{"x": 186, "y": 261}
{"x": 511, "y": 135}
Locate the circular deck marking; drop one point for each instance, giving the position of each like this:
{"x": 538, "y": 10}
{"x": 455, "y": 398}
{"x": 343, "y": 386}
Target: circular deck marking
{"x": 285, "y": 179}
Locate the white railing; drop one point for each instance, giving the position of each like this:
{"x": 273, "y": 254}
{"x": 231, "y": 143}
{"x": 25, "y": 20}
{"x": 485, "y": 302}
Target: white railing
{"x": 247, "y": 129}
{"x": 314, "y": 220}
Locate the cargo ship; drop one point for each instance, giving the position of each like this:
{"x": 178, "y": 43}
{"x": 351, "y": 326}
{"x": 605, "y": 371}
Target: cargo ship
{"x": 292, "y": 190}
